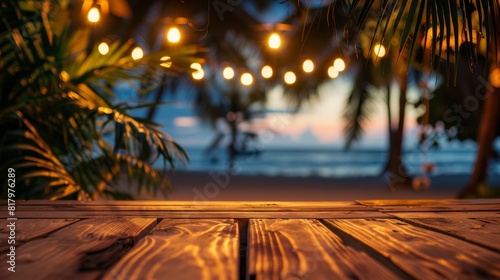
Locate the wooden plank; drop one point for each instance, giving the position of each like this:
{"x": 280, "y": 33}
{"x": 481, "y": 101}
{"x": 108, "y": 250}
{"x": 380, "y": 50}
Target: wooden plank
{"x": 183, "y": 249}
{"x": 77, "y": 251}
{"x": 191, "y": 206}
{"x": 305, "y": 249}
{"x": 484, "y": 231}
{"x": 405, "y": 202}
{"x": 451, "y": 215}
{"x": 422, "y": 253}
{"x": 438, "y": 208}
{"x": 29, "y": 229}
{"x": 201, "y": 214}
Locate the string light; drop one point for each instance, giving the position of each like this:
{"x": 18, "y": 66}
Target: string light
{"x": 174, "y": 35}
{"x": 246, "y": 79}
{"x": 339, "y": 64}
{"x": 103, "y": 48}
{"x": 308, "y": 66}
{"x": 199, "y": 73}
{"x": 94, "y": 15}
{"x": 274, "y": 41}
{"x": 332, "y": 72}
{"x": 137, "y": 53}
{"x": 166, "y": 61}
{"x": 267, "y": 72}
{"x": 379, "y": 50}
{"x": 290, "y": 77}
{"x": 228, "y": 73}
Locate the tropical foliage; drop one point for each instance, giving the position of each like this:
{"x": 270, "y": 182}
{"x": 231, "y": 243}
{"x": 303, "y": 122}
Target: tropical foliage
{"x": 63, "y": 129}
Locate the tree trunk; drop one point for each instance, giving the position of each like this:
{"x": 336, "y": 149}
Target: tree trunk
{"x": 487, "y": 132}
{"x": 395, "y": 171}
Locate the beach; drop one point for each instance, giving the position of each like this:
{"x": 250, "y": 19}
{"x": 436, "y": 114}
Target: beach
{"x": 224, "y": 186}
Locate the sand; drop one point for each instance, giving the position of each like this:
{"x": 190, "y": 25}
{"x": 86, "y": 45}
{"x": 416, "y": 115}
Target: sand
{"x": 223, "y": 186}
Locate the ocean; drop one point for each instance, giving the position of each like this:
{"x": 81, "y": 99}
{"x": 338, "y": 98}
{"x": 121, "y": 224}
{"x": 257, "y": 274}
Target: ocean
{"x": 334, "y": 163}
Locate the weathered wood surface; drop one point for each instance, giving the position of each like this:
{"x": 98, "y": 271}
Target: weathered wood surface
{"x": 484, "y": 231}
{"x": 454, "y": 215}
{"x": 29, "y": 229}
{"x": 229, "y": 214}
{"x": 305, "y": 249}
{"x": 79, "y": 251}
{"x": 422, "y": 253}
{"x": 183, "y": 249}
{"x": 424, "y": 239}
{"x": 416, "y": 202}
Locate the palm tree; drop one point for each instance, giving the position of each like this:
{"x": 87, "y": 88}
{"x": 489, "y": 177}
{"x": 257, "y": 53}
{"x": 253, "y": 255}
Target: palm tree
{"x": 63, "y": 130}
{"x": 447, "y": 26}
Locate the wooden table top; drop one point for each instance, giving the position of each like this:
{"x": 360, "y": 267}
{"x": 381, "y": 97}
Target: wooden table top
{"x": 391, "y": 239}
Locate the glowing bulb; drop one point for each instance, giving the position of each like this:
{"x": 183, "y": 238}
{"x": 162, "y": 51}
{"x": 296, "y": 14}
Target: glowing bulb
{"x": 339, "y": 64}
{"x": 195, "y": 66}
{"x": 274, "y": 41}
{"x": 495, "y": 77}
{"x": 228, "y": 73}
{"x": 290, "y": 77}
{"x": 137, "y": 53}
{"x": 166, "y": 61}
{"x": 199, "y": 74}
{"x": 93, "y": 15}
{"x": 379, "y": 50}
{"x": 173, "y": 35}
{"x": 267, "y": 72}
{"x": 103, "y": 48}
{"x": 246, "y": 79}
{"x": 308, "y": 66}
{"x": 332, "y": 72}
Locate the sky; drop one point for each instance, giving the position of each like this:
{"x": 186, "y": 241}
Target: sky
{"x": 319, "y": 123}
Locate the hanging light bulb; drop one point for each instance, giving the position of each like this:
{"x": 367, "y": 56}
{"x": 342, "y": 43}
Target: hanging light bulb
{"x": 103, "y": 48}
{"x": 274, "y": 41}
{"x": 137, "y": 53}
{"x": 308, "y": 66}
{"x": 228, "y": 73}
{"x": 174, "y": 35}
{"x": 199, "y": 74}
{"x": 332, "y": 72}
{"x": 339, "y": 64}
{"x": 94, "y": 15}
{"x": 267, "y": 72}
{"x": 379, "y": 50}
{"x": 246, "y": 79}
{"x": 290, "y": 77}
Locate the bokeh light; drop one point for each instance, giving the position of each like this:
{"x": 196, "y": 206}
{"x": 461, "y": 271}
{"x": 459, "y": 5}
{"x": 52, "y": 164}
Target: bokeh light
{"x": 94, "y": 15}
{"x": 174, "y": 35}
{"x": 379, "y": 50}
{"x": 332, "y": 72}
{"x": 228, "y": 73}
{"x": 137, "y": 53}
{"x": 290, "y": 77}
{"x": 103, "y": 48}
{"x": 339, "y": 64}
{"x": 274, "y": 41}
{"x": 308, "y": 66}
{"x": 246, "y": 79}
{"x": 267, "y": 72}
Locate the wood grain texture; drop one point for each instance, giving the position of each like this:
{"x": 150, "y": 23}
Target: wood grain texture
{"x": 202, "y": 214}
{"x": 422, "y": 253}
{"x": 183, "y": 249}
{"x": 408, "y": 202}
{"x": 438, "y": 208}
{"x": 62, "y": 254}
{"x": 305, "y": 249}
{"x": 451, "y": 215}
{"x": 484, "y": 231}
{"x": 29, "y": 229}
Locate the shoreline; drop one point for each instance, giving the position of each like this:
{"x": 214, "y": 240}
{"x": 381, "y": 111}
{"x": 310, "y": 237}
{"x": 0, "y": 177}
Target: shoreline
{"x": 221, "y": 186}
